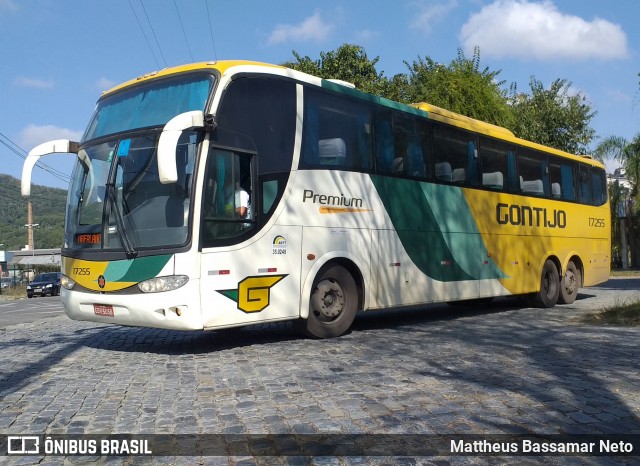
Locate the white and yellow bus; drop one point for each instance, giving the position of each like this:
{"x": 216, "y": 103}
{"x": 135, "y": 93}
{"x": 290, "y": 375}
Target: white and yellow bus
{"x": 356, "y": 202}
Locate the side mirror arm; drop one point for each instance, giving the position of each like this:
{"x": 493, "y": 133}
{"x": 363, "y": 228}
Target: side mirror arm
{"x": 168, "y": 143}
{"x": 59, "y": 146}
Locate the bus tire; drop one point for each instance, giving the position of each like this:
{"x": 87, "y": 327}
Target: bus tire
{"x": 570, "y": 284}
{"x": 333, "y": 303}
{"x": 549, "y": 286}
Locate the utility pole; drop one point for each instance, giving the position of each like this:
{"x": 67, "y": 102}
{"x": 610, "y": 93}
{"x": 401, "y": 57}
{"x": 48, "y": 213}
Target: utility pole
{"x": 30, "y": 224}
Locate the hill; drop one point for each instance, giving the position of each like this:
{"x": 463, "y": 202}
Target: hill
{"x": 49, "y": 206}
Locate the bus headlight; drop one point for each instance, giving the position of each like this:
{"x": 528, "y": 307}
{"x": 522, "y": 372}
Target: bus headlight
{"x": 66, "y": 282}
{"x": 155, "y": 285}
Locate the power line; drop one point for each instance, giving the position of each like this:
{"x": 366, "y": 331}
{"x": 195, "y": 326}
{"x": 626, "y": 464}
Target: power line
{"x": 41, "y": 165}
{"x": 183, "y": 31}
{"x": 17, "y": 150}
{"x": 144, "y": 34}
{"x": 154, "y": 33}
{"x": 215, "y": 54}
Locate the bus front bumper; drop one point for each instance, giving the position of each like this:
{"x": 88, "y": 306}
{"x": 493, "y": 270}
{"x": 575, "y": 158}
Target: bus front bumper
{"x": 177, "y": 310}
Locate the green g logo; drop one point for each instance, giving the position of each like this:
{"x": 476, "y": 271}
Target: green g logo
{"x": 253, "y": 293}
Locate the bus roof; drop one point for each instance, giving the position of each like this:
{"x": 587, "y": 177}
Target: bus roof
{"x": 221, "y": 66}
{"x": 444, "y": 115}
{"x": 433, "y": 112}
{"x": 481, "y": 127}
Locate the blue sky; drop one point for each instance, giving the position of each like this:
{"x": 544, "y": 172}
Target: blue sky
{"x": 58, "y": 55}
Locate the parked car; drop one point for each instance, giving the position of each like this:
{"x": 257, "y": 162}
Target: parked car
{"x": 6, "y": 283}
{"x": 45, "y": 284}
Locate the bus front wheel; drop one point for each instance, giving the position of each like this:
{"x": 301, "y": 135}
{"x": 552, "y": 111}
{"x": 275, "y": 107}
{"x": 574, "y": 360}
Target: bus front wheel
{"x": 333, "y": 303}
{"x": 570, "y": 284}
{"x": 549, "y": 286}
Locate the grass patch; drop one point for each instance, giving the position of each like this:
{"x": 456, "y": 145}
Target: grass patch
{"x": 15, "y": 293}
{"x": 620, "y": 314}
{"x": 625, "y": 273}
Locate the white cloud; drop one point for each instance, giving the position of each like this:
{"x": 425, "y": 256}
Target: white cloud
{"x": 313, "y": 28}
{"x": 523, "y": 29}
{"x": 33, "y": 135}
{"x": 104, "y": 84}
{"x": 8, "y": 5}
{"x": 619, "y": 96}
{"x": 431, "y": 13}
{"x": 33, "y": 83}
{"x": 366, "y": 35}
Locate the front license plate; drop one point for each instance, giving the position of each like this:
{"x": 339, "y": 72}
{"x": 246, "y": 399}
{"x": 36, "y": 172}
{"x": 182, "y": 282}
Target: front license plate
{"x": 103, "y": 310}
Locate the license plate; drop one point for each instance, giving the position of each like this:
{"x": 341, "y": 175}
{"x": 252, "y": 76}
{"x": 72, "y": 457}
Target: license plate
{"x": 103, "y": 310}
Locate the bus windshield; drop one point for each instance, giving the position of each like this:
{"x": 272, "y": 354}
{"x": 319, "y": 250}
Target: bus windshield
{"x": 149, "y": 105}
{"x": 116, "y": 200}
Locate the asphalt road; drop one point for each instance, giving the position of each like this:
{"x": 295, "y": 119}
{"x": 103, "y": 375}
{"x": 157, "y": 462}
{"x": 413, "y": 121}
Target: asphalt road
{"x": 17, "y": 311}
{"x": 418, "y": 374}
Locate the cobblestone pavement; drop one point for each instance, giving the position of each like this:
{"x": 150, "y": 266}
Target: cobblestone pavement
{"x": 435, "y": 370}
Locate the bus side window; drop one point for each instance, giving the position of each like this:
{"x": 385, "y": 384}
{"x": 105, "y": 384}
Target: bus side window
{"x": 228, "y": 196}
{"x": 269, "y": 195}
{"x": 562, "y": 177}
{"x": 493, "y": 163}
{"x": 584, "y": 184}
{"x": 400, "y": 154}
{"x": 337, "y": 132}
{"x": 332, "y": 151}
{"x": 424, "y": 130}
{"x": 402, "y": 129}
{"x": 533, "y": 173}
{"x": 456, "y": 148}
{"x": 599, "y": 186}
{"x": 384, "y": 142}
{"x": 415, "y": 157}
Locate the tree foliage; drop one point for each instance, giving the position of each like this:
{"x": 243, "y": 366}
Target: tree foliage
{"x": 49, "y": 206}
{"x": 554, "y": 117}
{"x": 628, "y": 155}
{"x": 348, "y": 63}
{"x": 462, "y": 87}
{"x": 625, "y": 152}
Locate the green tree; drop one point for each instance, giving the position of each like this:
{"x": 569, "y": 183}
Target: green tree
{"x": 348, "y": 63}
{"x": 49, "y": 206}
{"x": 625, "y": 152}
{"x": 462, "y": 87}
{"x": 553, "y": 117}
{"x": 628, "y": 155}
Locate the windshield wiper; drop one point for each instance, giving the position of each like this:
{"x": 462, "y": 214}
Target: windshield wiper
{"x": 129, "y": 249}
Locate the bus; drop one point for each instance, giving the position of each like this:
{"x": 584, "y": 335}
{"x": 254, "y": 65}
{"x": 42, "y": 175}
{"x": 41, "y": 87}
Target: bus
{"x": 355, "y": 202}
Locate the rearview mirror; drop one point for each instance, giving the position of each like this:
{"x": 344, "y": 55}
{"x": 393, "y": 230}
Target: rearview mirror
{"x": 58, "y": 146}
{"x": 168, "y": 143}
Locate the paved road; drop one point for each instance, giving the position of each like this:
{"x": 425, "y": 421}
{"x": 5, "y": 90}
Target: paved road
{"x": 439, "y": 370}
{"x": 18, "y": 311}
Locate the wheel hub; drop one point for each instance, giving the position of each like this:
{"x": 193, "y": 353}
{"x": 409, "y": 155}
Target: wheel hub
{"x": 570, "y": 282}
{"x": 328, "y": 300}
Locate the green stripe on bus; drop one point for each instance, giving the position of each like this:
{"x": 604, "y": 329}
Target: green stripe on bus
{"x": 436, "y": 228}
{"x": 455, "y": 220}
{"x": 136, "y": 270}
{"x": 360, "y": 95}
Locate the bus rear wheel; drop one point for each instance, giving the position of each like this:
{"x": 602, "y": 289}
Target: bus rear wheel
{"x": 333, "y": 303}
{"x": 549, "y": 286}
{"x": 570, "y": 284}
